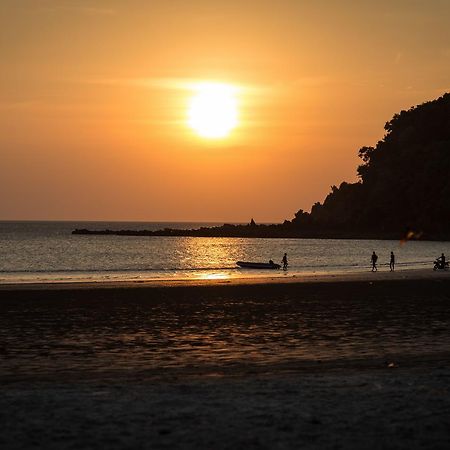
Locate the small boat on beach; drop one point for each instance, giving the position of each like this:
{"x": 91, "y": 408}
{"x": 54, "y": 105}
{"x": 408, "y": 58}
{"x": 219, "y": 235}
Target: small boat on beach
{"x": 257, "y": 265}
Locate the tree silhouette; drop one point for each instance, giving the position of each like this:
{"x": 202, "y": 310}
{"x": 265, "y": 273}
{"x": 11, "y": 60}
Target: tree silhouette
{"x": 404, "y": 180}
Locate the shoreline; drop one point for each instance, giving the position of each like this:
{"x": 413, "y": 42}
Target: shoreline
{"x": 315, "y": 278}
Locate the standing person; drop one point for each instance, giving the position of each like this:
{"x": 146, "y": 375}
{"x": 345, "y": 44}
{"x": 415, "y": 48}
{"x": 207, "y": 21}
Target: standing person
{"x": 392, "y": 262}
{"x": 284, "y": 261}
{"x": 374, "y": 260}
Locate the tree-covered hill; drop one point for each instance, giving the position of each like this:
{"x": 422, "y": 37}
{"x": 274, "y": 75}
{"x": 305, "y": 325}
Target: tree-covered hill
{"x": 404, "y": 180}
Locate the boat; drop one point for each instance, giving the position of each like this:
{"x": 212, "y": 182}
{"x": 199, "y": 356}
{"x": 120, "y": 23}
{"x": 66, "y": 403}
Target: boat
{"x": 258, "y": 265}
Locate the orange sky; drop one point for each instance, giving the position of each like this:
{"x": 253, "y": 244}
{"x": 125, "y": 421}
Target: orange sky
{"x": 93, "y": 102}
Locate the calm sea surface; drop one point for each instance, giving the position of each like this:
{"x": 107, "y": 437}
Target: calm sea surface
{"x": 47, "y": 251}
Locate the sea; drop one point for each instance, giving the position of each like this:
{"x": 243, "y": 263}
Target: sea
{"x": 42, "y": 252}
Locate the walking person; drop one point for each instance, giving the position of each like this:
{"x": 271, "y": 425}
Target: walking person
{"x": 374, "y": 260}
{"x": 392, "y": 262}
{"x": 284, "y": 261}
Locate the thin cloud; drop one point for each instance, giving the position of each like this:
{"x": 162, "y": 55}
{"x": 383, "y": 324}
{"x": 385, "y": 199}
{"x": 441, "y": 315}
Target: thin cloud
{"x": 181, "y": 84}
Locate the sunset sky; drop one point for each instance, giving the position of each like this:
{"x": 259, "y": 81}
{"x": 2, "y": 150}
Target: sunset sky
{"x": 95, "y": 99}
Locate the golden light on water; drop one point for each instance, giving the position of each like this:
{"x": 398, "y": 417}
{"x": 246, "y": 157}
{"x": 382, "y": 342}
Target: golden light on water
{"x": 215, "y": 276}
{"x": 213, "y": 110}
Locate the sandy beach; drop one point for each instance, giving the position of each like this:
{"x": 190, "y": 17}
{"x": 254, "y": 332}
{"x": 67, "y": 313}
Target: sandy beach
{"x": 338, "y": 361}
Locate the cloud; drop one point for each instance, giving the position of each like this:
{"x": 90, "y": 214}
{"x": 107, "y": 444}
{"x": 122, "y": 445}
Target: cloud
{"x": 169, "y": 83}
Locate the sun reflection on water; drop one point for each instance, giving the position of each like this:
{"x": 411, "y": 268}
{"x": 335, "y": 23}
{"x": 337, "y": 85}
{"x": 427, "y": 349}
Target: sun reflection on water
{"x": 214, "y": 276}
{"x": 219, "y": 253}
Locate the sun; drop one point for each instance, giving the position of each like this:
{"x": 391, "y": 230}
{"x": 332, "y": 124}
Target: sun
{"x": 213, "y": 110}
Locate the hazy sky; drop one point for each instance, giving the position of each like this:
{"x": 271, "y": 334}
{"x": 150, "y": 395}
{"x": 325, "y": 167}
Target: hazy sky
{"x": 94, "y": 97}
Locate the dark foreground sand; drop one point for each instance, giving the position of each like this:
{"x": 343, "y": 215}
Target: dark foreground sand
{"x": 335, "y": 363}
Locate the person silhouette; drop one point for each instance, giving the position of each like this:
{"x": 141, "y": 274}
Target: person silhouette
{"x": 392, "y": 262}
{"x": 285, "y": 261}
{"x": 374, "y": 260}
{"x": 442, "y": 261}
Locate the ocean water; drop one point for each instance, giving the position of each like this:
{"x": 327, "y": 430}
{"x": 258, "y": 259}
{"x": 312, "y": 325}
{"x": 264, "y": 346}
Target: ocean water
{"x": 48, "y": 252}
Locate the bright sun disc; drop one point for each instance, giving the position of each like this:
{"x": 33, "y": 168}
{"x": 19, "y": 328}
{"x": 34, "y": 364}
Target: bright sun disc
{"x": 213, "y": 110}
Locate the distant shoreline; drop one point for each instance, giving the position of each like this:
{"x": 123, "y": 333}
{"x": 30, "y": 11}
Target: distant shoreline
{"x": 257, "y": 231}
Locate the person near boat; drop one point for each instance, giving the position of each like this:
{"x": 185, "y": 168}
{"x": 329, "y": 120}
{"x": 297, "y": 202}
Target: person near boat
{"x": 284, "y": 261}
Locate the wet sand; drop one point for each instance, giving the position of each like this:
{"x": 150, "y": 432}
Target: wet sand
{"x": 323, "y": 362}
{"x": 217, "y": 280}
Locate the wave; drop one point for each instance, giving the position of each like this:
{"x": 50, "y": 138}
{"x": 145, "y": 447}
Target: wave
{"x": 205, "y": 269}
